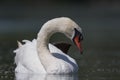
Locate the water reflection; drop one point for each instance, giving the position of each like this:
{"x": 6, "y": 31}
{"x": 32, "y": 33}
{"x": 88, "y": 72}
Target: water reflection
{"x": 20, "y": 76}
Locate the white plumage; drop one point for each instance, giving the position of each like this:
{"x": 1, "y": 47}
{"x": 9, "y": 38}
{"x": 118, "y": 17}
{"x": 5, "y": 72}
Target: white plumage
{"x": 37, "y": 56}
{"x": 27, "y": 59}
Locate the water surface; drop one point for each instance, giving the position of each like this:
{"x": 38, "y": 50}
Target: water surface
{"x": 101, "y": 56}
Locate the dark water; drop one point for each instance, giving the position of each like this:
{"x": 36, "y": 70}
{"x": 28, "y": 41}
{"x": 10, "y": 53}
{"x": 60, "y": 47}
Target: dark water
{"x": 93, "y": 64}
{"x": 101, "y": 57}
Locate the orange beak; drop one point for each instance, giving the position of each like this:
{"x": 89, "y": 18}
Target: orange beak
{"x": 78, "y": 43}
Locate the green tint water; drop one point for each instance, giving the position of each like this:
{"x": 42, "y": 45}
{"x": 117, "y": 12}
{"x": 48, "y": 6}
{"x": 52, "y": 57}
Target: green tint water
{"x": 94, "y": 64}
{"x": 101, "y": 31}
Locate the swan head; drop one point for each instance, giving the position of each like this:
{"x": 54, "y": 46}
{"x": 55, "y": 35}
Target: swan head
{"x": 74, "y": 32}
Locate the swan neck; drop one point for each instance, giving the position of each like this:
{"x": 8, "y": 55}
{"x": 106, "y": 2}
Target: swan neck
{"x": 42, "y": 43}
{"x": 48, "y": 61}
{"x": 42, "y": 48}
{"x": 44, "y": 35}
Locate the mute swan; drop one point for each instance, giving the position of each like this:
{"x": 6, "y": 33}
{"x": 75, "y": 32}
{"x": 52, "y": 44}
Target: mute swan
{"x": 37, "y": 56}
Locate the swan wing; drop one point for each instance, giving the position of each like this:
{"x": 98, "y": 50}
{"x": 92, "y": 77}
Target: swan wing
{"x": 64, "y": 57}
{"x": 27, "y": 59}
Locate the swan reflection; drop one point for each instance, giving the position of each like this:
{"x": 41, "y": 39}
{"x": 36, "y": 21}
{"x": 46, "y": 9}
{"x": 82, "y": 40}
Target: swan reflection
{"x": 20, "y": 76}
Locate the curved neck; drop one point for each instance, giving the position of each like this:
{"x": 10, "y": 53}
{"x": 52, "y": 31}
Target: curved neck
{"x": 44, "y": 54}
{"x": 42, "y": 42}
{"x": 43, "y": 39}
{"x": 48, "y": 29}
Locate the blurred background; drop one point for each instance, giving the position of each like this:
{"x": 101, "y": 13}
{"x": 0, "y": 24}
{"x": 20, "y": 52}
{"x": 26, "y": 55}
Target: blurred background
{"x": 99, "y": 19}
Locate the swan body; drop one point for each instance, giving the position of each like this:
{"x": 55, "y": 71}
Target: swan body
{"x": 39, "y": 56}
{"x": 27, "y": 59}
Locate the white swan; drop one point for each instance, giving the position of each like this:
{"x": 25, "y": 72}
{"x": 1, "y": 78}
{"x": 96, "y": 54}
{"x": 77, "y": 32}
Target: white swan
{"x": 39, "y": 57}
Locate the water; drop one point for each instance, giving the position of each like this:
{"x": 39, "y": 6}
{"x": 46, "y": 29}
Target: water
{"x": 105, "y": 66}
{"x": 93, "y": 64}
{"x": 101, "y": 57}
